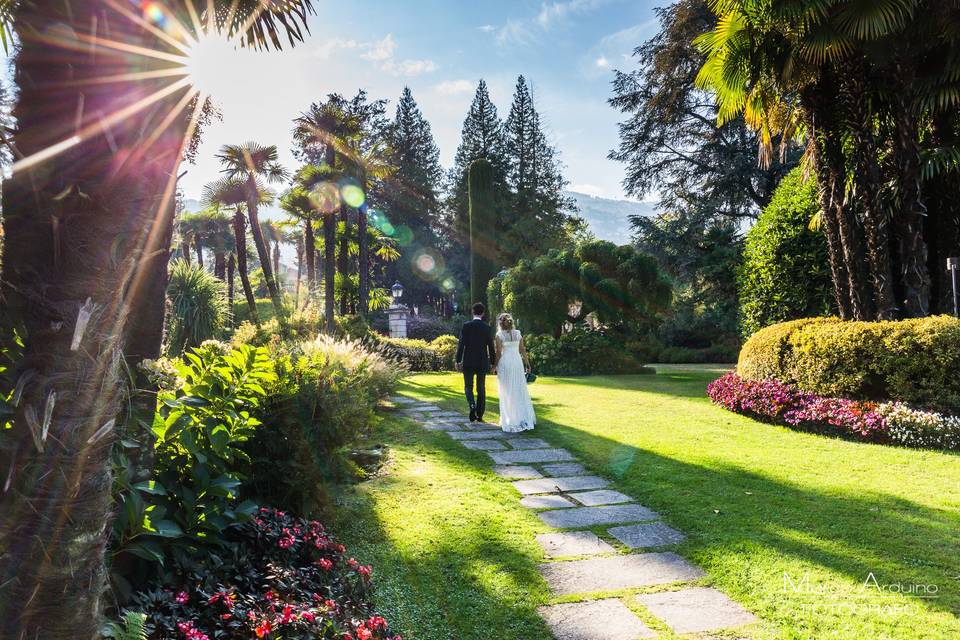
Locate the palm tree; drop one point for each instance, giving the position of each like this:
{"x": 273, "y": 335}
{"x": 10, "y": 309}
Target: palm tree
{"x": 217, "y": 234}
{"x": 274, "y": 235}
{"x": 232, "y": 194}
{"x": 252, "y": 162}
{"x": 296, "y": 202}
{"x": 88, "y": 223}
{"x": 319, "y": 133}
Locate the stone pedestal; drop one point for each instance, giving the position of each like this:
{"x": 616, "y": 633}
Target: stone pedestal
{"x": 398, "y": 315}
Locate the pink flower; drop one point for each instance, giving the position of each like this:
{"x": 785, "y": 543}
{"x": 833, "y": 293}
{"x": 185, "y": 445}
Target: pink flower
{"x": 182, "y": 597}
{"x": 325, "y": 564}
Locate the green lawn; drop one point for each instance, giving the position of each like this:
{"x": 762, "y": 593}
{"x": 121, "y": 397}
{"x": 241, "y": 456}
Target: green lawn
{"x": 791, "y": 525}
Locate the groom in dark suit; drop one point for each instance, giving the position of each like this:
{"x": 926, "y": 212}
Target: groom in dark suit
{"x": 475, "y": 357}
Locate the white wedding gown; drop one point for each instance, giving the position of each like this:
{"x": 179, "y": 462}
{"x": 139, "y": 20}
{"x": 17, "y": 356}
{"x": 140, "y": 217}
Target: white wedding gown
{"x": 516, "y": 408}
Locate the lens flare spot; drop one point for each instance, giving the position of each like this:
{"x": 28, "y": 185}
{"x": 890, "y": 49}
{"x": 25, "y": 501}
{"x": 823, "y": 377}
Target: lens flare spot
{"x": 404, "y": 235}
{"x": 325, "y": 197}
{"x": 154, "y": 13}
{"x": 449, "y": 284}
{"x": 426, "y": 263}
{"x": 353, "y": 195}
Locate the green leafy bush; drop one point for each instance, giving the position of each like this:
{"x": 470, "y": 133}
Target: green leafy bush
{"x": 785, "y": 272}
{"x": 207, "y": 401}
{"x": 322, "y": 404}
{"x": 914, "y": 361}
{"x": 582, "y": 351}
{"x": 415, "y": 355}
{"x": 198, "y": 307}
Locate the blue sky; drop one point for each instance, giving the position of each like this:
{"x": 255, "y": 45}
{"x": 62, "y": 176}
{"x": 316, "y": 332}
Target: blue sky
{"x": 566, "y": 49}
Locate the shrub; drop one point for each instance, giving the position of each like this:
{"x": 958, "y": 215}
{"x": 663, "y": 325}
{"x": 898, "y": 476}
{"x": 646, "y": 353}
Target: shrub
{"x": 408, "y": 353}
{"x": 282, "y": 577}
{"x": 446, "y": 349}
{"x": 427, "y": 328}
{"x": 351, "y": 327}
{"x": 582, "y": 351}
{"x": 785, "y": 272}
{"x": 774, "y": 401}
{"x": 198, "y": 307}
{"x": 323, "y": 402}
{"x": 914, "y": 361}
{"x": 205, "y": 411}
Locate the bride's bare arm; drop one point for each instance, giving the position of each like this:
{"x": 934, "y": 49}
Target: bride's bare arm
{"x": 499, "y": 346}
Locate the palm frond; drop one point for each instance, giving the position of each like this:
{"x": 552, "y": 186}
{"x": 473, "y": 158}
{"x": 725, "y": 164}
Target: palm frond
{"x": 260, "y": 24}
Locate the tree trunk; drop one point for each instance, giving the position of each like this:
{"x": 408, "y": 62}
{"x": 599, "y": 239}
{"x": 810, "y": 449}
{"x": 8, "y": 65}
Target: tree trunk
{"x": 342, "y": 259}
{"x": 329, "y": 271}
{"x": 364, "y": 266}
{"x": 185, "y": 250}
{"x": 199, "y": 248}
{"x": 276, "y": 263}
{"x": 912, "y": 250}
{"x": 220, "y": 265}
{"x": 309, "y": 247}
{"x": 231, "y": 269}
{"x": 87, "y": 236}
{"x": 868, "y": 191}
{"x": 844, "y": 241}
{"x": 240, "y": 236}
{"x": 296, "y": 288}
{"x": 262, "y": 252}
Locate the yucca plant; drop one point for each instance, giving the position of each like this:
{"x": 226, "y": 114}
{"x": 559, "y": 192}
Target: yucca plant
{"x": 198, "y": 307}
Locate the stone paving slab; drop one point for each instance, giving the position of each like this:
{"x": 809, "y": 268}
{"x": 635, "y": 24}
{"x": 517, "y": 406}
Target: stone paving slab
{"x": 450, "y": 414}
{"x": 441, "y": 426}
{"x": 696, "y": 609}
{"x": 429, "y": 408}
{"x": 603, "y": 496}
{"x": 654, "y": 534}
{"x": 517, "y": 471}
{"x": 552, "y": 485}
{"x": 532, "y": 455}
{"x": 607, "y": 619}
{"x": 590, "y": 516}
{"x": 484, "y": 445}
{"x": 563, "y": 469}
{"x": 476, "y": 435}
{"x": 549, "y": 501}
{"x": 528, "y": 443}
{"x": 617, "y": 572}
{"x": 572, "y": 543}
{"x": 401, "y": 400}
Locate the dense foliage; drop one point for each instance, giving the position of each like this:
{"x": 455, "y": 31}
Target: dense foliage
{"x": 785, "y": 274}
{"x": 620, "y": 286}
{"x": 320, "y": 407}
{"x": 583, "y": 351}
{"x": 913, "y": 361}
{"x": 279, "y": 576}
{"x": 856, "y": 81}
{"x": 783, "y": 403}
{"x": 706, "y": 177}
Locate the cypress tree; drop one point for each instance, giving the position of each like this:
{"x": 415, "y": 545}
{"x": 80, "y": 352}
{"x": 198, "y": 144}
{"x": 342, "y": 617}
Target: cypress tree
{"x": 539, "y": 212}
{"x": 483, "y": 236}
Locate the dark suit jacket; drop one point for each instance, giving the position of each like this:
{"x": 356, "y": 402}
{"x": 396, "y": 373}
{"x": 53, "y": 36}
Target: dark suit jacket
{"x": 475, "y": 348}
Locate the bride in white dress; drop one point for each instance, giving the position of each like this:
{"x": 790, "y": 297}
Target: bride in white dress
{"x": 516, "y": 408}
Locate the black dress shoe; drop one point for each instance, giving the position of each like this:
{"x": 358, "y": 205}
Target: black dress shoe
{"x": 473, "y": 414}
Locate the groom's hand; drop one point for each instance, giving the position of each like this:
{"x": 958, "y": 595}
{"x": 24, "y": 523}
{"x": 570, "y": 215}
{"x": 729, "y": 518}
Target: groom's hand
{"x": 459, "y": 366}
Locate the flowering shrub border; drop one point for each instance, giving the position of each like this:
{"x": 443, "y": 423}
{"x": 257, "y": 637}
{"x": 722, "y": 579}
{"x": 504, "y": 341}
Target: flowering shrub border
{"x": 285, "y": 578}
{"x": 888, "y": 422}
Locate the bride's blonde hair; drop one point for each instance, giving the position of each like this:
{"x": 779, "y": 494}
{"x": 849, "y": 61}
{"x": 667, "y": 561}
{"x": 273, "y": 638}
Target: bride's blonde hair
{"x": 505, "y": 320}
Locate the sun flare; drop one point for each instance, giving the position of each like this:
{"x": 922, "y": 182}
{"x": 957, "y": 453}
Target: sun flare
{"x": 211, "y": 64}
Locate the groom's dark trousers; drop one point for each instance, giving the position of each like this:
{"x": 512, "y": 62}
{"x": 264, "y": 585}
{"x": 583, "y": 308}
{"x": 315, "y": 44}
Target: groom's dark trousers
{"x": 475, "y": 353}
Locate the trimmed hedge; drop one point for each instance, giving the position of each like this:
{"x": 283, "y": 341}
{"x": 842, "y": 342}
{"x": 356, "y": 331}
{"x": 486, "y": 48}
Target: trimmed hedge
{"x": 915, "y": 361}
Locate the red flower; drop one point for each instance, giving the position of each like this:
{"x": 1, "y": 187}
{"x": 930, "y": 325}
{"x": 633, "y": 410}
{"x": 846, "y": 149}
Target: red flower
{"x": 364, "y": 571}
{"x": 325, "y": 564}
{"x": 288, "y": 615}
{"x": 182, "y": 597}
{"x": 264, "y": 628}
{"x": 363, "y": 633}
{"x": 308, "y": 616}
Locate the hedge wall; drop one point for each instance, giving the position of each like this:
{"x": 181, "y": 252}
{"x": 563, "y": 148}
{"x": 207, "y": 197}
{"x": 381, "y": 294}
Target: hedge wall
{"x": 916, "y": 361}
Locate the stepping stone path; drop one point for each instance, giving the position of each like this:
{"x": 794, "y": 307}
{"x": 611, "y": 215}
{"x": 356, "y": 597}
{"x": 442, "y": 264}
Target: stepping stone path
{"x": 550, "y": 480}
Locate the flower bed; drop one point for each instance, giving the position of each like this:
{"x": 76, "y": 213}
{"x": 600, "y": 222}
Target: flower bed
{"x": 888, "y": 422}
{"x": 285, "y": 578}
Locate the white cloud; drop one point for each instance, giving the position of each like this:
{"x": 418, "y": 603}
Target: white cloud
{"x": 380, "y": 52}
{"x": 454, "y": 87}
{"x": 487, "y": 28}
{"x": 553, "y": 12}
{"x": 589, "y": 189}
{"x": 602, "y": 62}
{"x": 616, "y": 47}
